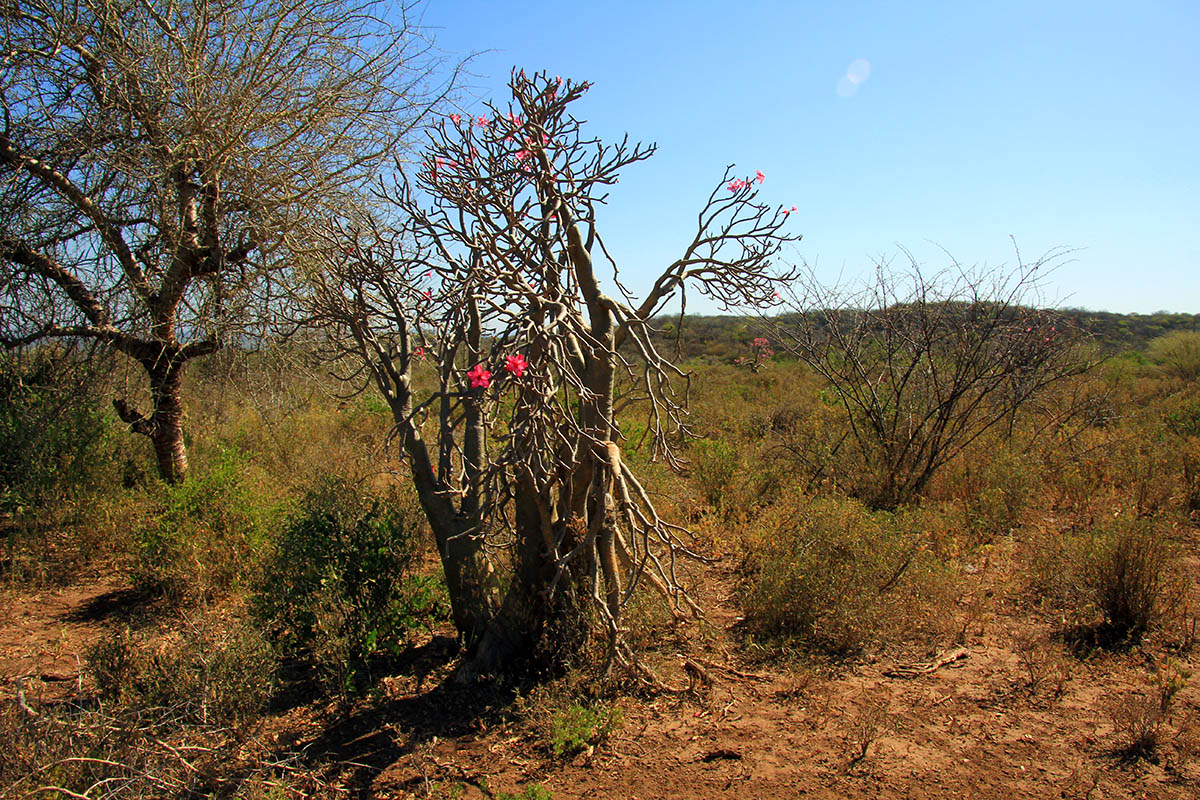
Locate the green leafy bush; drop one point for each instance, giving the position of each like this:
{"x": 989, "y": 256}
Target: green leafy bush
{"x": 207, "y": 533}
{"x": 339, "y": 586}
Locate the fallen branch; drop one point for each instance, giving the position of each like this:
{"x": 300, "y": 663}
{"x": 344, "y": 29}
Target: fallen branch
{"x": 909, "y": 671}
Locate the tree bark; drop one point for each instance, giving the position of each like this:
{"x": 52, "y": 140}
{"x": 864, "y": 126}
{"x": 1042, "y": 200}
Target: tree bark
{"x": 164, "y": 426}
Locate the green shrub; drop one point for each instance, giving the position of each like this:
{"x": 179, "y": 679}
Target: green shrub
{"x": 207, "y": 674}
{"x": 832, "y": 576}
{"x": 715, "y": 465}
{"x": 579, "y": 727}
{"x": 54, "y": 440}
{"x": 208, "y": 532}
{"x": 339, "y": 586}
{"x": 1177, "y": 354}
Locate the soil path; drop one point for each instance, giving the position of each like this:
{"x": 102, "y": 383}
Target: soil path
{"x": 45, "y": 632}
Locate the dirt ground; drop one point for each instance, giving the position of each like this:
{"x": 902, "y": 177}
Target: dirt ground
{"x": 999, "y": 710}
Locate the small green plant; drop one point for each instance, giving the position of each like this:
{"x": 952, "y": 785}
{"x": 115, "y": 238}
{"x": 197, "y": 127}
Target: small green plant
{"x": 531, "y": 792}
{"x": 339, "y": 586}
{"x": 580, "y": 727}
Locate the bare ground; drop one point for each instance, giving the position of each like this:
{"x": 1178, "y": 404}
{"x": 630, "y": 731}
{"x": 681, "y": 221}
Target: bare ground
{"x": 1001, "y": 709}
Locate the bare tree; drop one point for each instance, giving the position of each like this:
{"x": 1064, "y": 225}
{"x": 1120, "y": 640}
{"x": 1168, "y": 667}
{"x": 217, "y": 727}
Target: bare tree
{"x": 160, "y": 160}
{"x": 492, "y": 274}
{"x": 924, "y": 364}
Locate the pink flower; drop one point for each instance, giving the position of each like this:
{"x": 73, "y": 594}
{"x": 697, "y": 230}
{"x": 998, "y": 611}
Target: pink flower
{"x": 480, "y": 378}
{"x": 428, "y": 294}
{"x": 736, "y": 184}
{"x": 522, "y": 155}
{"x": 482, "y": 122}
{"x": 419, "y": 353}
{"x": 455, "y": 118}
{"x": 516, "y": 365}
{"x": 758, "y": 176}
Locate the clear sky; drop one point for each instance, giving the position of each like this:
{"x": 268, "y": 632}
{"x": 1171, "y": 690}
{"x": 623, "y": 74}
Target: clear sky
{"x": 925, "y": 124}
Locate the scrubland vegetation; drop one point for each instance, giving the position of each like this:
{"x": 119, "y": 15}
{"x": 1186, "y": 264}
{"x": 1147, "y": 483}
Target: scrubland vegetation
{"x": 293, "y": 566}
{"x": 413, "y": 469}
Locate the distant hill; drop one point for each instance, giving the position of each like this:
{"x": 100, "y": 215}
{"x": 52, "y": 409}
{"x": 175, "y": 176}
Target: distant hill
{"x": 719, "y": 339}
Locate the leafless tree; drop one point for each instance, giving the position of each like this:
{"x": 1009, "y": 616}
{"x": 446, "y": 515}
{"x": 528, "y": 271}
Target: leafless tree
{"x": 493, "y": 273}
{"x": 160, "y": 159}
{"x": 923, "y": 364}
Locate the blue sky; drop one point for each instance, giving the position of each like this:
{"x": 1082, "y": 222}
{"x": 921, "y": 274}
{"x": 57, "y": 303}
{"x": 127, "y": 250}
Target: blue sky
{"x": 1060, "y": 124}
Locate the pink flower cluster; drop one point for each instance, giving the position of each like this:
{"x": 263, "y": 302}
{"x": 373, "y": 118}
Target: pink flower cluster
{"x": 760, "y": 352}
{"x": 480, "y": 376}
{"x": 737, "y": 183}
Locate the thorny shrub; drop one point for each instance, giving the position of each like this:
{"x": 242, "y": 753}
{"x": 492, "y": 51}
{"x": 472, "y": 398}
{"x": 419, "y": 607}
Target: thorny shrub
{"x": 210, "y": 673}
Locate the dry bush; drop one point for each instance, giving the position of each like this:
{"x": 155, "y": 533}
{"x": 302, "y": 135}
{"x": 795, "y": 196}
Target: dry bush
{"x": 73, "y": 752}
{"x": 834, "y": 577}
{"x": 1139, "y": 718}
{"x": 865, "y": 725}
{"x": 1111, "y": 584}
{"x": 211, "y": 671}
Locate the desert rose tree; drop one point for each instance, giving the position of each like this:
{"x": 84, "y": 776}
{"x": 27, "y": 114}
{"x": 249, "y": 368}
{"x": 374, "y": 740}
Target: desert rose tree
{"x": 495, "y": 273}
